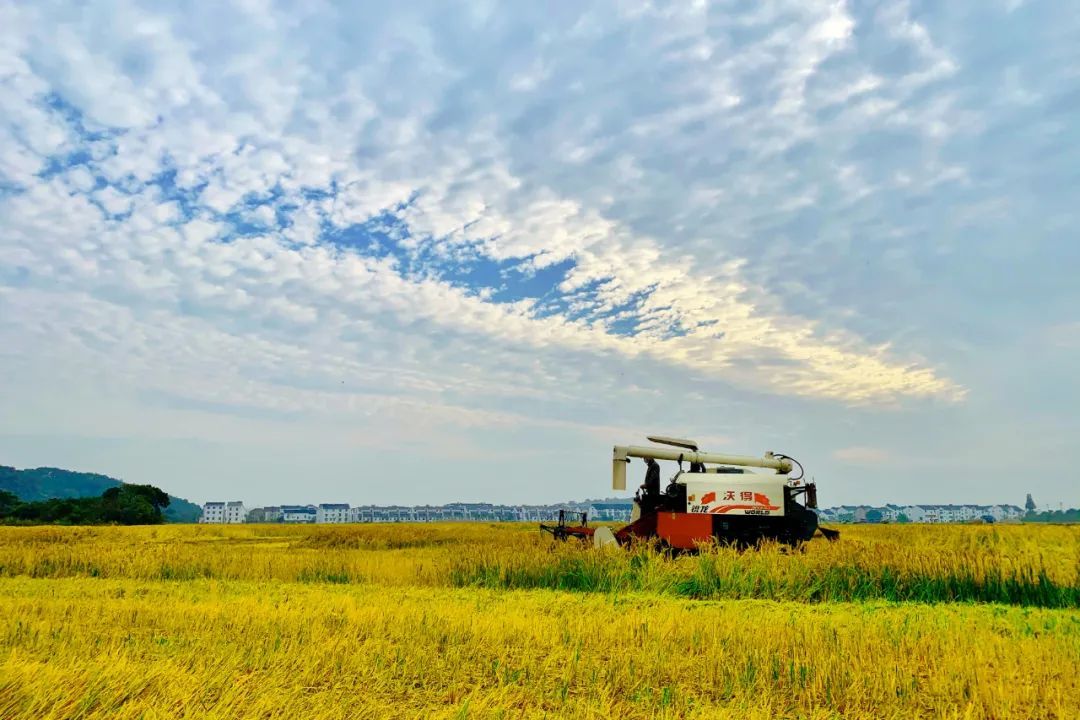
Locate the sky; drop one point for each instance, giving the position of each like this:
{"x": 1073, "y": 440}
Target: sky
{"x": 429, "y": 252}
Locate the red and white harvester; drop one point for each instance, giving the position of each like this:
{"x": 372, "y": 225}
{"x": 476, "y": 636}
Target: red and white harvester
{"x": 716, "y": 500}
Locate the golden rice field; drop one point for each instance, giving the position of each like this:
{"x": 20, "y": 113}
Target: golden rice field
{"x": 477, "y": 621}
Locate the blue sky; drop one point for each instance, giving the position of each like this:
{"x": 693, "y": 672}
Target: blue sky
{"x": 293, "y": 252}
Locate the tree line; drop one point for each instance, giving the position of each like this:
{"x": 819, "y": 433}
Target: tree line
{"x": 121, "y": 505}
{"x": 1072, "y": 515}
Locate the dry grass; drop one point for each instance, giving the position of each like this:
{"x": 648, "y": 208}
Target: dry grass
{"x": 424, "y": 621}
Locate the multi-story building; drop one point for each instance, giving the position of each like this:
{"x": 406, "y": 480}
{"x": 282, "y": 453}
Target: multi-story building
{"x": 1005, "y": 512}
{"x": 223, "y": 512}
{"x": 332, "y": 513}
{"x": 951, "y": 513}
{"x": 922, "y": 513}
{"x": 891, "y": 513}
{"x": 269, "y": 514}
{"x": 610, "y": 511}
{"x": 534, "y": 513}
{"x": 298, "y": 513}
{"x": 213, "y": 512}
{"x": 388, "y": 513}
{"x": 828, "y": 515}
{"x": 914, "y": 513}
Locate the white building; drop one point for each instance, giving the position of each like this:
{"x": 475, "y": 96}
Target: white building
{"x": 827, "y": 515}
{"x": 1005, "y": 512}
{"x": 223, "y": 512}
{"x": 610, "y": 511}
{"x": 332, "y": 513}
{"x": 298, "y": 513}
{"x": 951, "y": 513}
{"x": 914, "y": 513}
{"x": 924, "y": 513}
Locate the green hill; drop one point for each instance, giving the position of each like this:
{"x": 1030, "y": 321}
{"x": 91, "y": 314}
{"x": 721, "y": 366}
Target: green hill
{"x": 45, "y": 483}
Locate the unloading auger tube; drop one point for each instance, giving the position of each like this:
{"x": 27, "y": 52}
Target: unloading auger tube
{"x": 716, "y": 500}
{"x": 623, "y": 453}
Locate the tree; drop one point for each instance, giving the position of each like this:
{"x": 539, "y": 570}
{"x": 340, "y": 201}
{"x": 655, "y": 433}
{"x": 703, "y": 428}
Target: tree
{"x": 8, "y": 503}
{"x": 873, "y": 515}
{"x": 123, "y": 505}
{"x": 1072, "y": 515}
{"x": 133, "y": 505}
{"x": 902, "y": 518}
{"x": 1029, "y": 505}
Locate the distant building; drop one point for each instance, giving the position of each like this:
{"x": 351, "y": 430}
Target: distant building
{"x": 890, "y": 513}
{"x": 534, "y": 513}
{"x": 610, "y": 511}
{"x": 454, "y": 512}
{"x": 213, "y": 512}
{"x": 223, "y": 513}
{"x": 1005, "y": 512}
{"x": 828, "y": 515}
{"x": 268, "y": 514}
{"x": 332, "y": 513}
{"x": 606, "y": 510}
{"x": 298, "y": 513}
{"x": 921, "y": 513}
{"x": 914, "y": 513}
{"x": 374, "y": 513}
{"x": 951, "y": 513}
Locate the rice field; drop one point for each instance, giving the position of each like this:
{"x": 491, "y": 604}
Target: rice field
{"x": 461, "y": 621}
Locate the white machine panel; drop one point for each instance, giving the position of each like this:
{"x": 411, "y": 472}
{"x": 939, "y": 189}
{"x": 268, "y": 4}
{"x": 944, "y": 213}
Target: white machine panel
{"x": 735, "y": 494}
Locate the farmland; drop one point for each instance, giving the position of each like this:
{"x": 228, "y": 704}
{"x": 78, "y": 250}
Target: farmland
{"x": 493, "y": 621}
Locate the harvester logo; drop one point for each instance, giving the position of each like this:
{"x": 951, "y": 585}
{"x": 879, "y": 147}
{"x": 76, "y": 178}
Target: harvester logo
{"x": 753, "y": 498}
{"x": 749, "y": 501}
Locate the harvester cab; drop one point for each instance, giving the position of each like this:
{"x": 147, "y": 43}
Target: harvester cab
{"x": 716, "y": 499}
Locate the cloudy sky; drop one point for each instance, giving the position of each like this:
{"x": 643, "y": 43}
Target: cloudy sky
{"x": 315, "y": 251}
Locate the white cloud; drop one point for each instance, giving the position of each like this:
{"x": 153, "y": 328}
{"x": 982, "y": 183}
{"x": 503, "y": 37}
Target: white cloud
{"x": 466, "y": 197}
{"x": 115, "y": 203}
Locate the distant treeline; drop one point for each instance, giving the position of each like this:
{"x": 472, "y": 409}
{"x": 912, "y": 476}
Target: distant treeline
{"x": 45, "y": 483}
{"x": 122, "y": 505}
{"x": 1072, "y": 515}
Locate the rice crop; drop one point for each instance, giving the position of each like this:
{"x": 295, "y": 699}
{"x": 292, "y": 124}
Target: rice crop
{"x": 476, "y": 620}
{"x": 1021, "y": 565}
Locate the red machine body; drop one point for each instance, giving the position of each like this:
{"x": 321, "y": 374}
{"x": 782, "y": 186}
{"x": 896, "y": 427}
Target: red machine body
{"x": 724, "y": 504}
{"x": 684, "y": 531}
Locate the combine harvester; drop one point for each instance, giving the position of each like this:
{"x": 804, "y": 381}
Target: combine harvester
{"x": 716, "y": 501}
